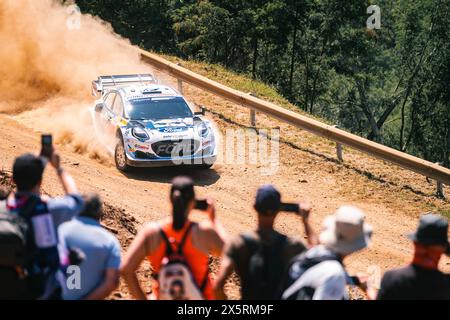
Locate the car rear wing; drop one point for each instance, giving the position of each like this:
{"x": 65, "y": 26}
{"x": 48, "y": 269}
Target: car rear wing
{"x": 103, "y": 82}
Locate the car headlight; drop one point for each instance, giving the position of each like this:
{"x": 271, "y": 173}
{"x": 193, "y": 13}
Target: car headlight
{"x": 203, "y": 130}
{"x": 140, "y": 133}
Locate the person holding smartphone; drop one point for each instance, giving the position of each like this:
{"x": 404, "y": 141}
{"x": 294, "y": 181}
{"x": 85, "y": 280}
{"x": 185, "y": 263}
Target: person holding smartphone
{"x": 421, "y": 279}
{"x": 178, "y": 233}
{"x": 43, "y": 215}
{"x": 260, "y": 257}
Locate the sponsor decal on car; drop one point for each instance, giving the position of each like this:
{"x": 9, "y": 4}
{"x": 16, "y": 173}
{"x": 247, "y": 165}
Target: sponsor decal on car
{"x": 168, "y": 130}
{"x": 131, "y": 148}
{"x": 141, "y": 147}
{"x": 177, "y": 137}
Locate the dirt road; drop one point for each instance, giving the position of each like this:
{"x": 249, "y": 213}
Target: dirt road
{"x": 142, "y": 194}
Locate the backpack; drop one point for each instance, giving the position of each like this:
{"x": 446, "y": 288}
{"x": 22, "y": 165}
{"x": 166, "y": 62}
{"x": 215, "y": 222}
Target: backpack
{"x": 264, "y": 268}
{"x": 15, "y": 253}
{"x": 175, "y": 278}
{"x": 298, "y": 266}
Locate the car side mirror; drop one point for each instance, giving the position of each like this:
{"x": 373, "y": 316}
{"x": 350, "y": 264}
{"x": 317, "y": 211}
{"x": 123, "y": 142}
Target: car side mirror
{"x": 99, "y": 107}
{"x": 201, "y": 112}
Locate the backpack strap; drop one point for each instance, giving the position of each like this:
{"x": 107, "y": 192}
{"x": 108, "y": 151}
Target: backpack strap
{"x": 205, "y": 280}
{"x": 253, "y": 244}
{"x": 27, "y": 210}
{"x": 169, "y": 249}
{"x": 185, "y": 236}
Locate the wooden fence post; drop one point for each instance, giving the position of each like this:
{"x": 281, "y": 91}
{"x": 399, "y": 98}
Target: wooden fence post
{"x": 180, "y": 86}
{"x": 439, "y": 186}
{"x": 252, "y": 113}
{"x": 339, "y": 149}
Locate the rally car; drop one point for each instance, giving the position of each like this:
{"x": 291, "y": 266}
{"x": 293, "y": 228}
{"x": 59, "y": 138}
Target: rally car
{"x": 153, "y": 124}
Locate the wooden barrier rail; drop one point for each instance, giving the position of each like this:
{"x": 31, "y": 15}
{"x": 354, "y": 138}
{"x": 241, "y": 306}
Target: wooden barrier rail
{"x": 404, "y": 160}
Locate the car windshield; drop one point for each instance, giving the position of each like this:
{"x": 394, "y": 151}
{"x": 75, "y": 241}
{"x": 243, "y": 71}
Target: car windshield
{"x": 158, "y": 108}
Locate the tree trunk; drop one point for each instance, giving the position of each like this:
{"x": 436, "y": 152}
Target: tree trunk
{"x": 402, "y": 127}
{"x": 447, "y": 150}
{"x": 366, "y": 110}
{"x": 306, "y": 82}
{"x": 255, "y": 56}
{"x": 294, "y": 49}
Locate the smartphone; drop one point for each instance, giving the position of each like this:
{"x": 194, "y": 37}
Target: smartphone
{"x": 201, "y": 205}
{"x": 355, "y": 280}
{"x": 289, "y": 207}
{"x": 47, "y": 145}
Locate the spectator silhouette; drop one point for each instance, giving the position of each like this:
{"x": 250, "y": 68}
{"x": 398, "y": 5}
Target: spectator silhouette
{"x": 101, "y": 249}
{"x": 259, "y": 258}
{"x": 196, "y": 240}
{"x": 319, "y": 273}
{"x": 421, "y": 279}
{"x": 45, "y": 216}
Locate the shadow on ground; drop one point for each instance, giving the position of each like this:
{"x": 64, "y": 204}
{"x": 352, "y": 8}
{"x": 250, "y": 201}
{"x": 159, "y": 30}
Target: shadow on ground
{"x": 202, "y": 177}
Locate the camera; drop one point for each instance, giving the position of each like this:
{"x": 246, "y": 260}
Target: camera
{"x": 46, "y": 145}
{"x": 290, "y": 207}
{"x": 201, "y": 205}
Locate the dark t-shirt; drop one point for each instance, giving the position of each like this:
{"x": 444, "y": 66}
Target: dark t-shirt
{"x": 414, "y": 283}
{"x": 240, "y": 253}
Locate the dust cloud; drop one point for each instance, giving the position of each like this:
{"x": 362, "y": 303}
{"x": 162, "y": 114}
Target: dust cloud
{"x": 49, "y": 54}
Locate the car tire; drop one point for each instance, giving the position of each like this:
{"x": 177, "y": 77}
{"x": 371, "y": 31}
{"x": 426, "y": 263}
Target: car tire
{"x": 120, "y": 157}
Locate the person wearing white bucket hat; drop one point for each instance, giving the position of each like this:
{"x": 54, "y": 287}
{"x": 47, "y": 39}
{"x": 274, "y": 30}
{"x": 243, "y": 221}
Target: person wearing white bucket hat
{"x": 319, "y": 273}
{"x": 346, "y": 232}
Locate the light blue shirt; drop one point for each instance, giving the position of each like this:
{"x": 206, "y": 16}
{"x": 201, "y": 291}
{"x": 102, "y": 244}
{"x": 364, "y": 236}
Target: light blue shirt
{"x": 101, "y": 249}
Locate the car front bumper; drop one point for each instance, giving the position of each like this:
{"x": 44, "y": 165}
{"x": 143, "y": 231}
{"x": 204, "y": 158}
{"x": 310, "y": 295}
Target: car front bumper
{"x": 164, "y": 162}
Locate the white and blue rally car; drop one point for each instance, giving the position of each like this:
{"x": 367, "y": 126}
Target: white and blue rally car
{"x": 153, "y": 125}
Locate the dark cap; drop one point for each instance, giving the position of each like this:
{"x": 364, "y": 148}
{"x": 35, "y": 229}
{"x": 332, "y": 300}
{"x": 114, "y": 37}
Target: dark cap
{"x": 27, "y": 171}
{"x": 432, "y": 230}
{"x": 92, "y": 206}
{"x": 267, "y": 199}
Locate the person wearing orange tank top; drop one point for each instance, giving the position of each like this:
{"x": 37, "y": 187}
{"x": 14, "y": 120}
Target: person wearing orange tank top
{"x": 197, "y": 240}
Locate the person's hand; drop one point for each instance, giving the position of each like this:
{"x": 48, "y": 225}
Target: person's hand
{"x": 304, "y": 209}
{"x": 363, "y": 280}
{"x": 211, "y": 209}
{"x": 366, "y": 283}
{"x": 55, "y": 160}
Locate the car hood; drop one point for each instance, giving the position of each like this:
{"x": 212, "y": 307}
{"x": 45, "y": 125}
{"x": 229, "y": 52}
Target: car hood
{"x": 168, "y": 125}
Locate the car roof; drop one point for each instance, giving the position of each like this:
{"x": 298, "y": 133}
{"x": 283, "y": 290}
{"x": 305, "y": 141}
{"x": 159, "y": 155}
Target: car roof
{"x": 147, "y": 90}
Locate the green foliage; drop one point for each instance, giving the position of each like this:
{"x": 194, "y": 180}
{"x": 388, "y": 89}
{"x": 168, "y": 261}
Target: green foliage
{"x": 390, "y": 85}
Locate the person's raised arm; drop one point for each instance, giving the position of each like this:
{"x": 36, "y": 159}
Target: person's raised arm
{"x": 67, "y": 182}
{"x": 226, "y": 269}
{"x": 304, "y": 211}
{"x": 136, "y": 253}
{"x": 219, "y": 236}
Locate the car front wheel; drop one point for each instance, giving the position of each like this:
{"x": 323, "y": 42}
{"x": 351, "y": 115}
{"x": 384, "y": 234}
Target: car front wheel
{"x": 120, "y": 157}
